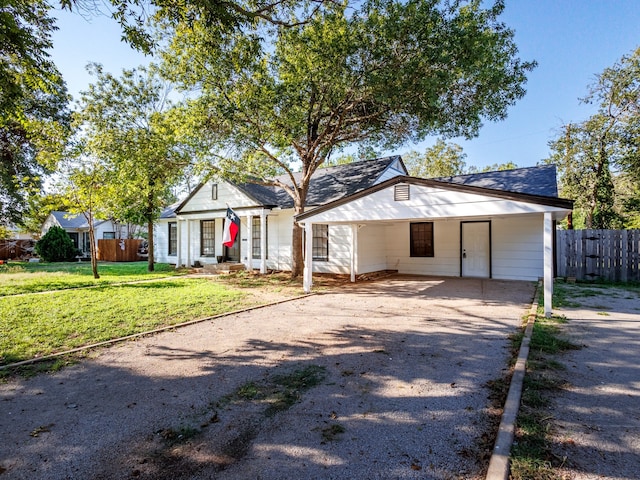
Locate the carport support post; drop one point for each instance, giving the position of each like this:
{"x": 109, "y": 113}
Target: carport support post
{"x": 179, "y": 243}
{"x": 249, "y": 263}
{"x": 308, "y": 257}
{"x": 548, "y": 264}
{"x": 354, "y": 251}
{"x": 263, "y": 242}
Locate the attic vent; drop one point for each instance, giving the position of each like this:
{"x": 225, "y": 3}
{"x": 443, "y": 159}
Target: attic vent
{"x": 401, "y": 192}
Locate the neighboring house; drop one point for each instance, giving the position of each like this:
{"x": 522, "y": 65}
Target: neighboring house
{"x": 77, "y": 227}
{"x": 370, "y": 216}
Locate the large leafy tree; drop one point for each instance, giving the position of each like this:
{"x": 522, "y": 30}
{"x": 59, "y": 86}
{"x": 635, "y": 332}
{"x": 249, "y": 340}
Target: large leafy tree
{"x": 602, "y": 151}
{"x": 125, "y": 121}
{"x": 34, "y": 118}
{"x": 442, "y": 159}
{"x": 223, "y": 17}
{"x": 377, "y": 73}
{"x": 85, "y": 183}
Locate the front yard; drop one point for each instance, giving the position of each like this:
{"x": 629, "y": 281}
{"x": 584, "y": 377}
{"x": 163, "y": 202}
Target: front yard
{"x": 50, "y": 308}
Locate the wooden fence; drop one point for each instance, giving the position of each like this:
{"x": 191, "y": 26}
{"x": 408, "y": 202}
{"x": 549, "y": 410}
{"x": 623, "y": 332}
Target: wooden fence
{"x": 116, "y": 250}
{"x": 610, "y": 255}
{"x": 16, "y": 249}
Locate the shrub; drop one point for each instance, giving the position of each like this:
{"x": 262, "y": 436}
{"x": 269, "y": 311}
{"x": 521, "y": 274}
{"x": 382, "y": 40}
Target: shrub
{"x": 56, "y": 246}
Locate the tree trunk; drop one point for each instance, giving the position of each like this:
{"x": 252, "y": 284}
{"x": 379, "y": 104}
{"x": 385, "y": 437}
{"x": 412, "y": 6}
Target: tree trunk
{"x": 151, "y": 266}
{"x": 93, "y": 248}
{"x": 297, "y": 259}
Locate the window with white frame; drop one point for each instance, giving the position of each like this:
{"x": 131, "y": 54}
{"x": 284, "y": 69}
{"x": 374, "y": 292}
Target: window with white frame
{"x": 173, "y": 238}
{"x": 207, "y": 238}
{"x": 256, "y": 237}
{"x": 320, "y": 244}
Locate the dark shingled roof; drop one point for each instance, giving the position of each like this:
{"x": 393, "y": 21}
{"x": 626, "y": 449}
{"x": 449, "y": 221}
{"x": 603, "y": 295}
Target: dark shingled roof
{"x": 540, "y": 180}
{"x": 170, "y": 211}
{"x": 327, "y": 184}
{"x": 70, "y": 220}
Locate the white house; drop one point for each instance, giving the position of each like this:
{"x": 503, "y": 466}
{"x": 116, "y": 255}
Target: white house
{"x": 77, "y": 227}
{"x": 370, "y": 216}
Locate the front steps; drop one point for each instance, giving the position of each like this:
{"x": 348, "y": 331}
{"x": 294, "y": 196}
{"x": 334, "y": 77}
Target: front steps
{"x": 218, "y": 268}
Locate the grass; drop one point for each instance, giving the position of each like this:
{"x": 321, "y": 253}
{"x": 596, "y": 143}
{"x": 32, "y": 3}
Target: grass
{"x": 531, "y": 455}
{"x": 37, "y": 325}
{"x": 279, "y": 392}
{"x": 24, "y": 277}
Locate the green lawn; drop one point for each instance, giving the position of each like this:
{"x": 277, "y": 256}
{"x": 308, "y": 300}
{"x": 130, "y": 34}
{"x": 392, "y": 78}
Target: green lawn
{"x": 40, "y": 324}
{"x": 23, "y": 277}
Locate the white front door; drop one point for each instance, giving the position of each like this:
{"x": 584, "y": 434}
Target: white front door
{"x": 476, "y": 249}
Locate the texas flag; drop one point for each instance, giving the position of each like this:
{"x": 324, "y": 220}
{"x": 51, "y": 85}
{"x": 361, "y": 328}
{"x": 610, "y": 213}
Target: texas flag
{"x": 231, "y": 228}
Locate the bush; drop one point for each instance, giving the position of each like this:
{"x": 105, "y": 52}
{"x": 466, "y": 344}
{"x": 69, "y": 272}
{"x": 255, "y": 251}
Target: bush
{"x": 56, "y": 246}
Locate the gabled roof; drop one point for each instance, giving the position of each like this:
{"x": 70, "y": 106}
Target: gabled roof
{"x": 518, "y": 184}
{"x": 70, "y": 220}
{"x": 327, "y": 184}
{"x": 170, "y": 211}
{"x": 74, "y": 221}
{"x": 540, "y": 180}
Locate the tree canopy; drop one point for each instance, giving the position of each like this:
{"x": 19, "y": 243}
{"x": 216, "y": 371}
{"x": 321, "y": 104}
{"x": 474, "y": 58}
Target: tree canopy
{"x": 34, "y": 118}
{"x": 599, "y": 158}
{"x": 443, "y": 159}
{"x": 378, "y": 73}
{"x": 125, "y": 122}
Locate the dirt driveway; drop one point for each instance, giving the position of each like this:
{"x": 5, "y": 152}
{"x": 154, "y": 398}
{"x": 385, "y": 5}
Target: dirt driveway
{"x": 379, "y": 380}
{"x": 597, "y": 415}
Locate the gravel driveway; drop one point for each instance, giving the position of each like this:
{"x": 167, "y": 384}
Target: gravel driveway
{"x": 396, "y": 390}
{"x": 597, "y": 415}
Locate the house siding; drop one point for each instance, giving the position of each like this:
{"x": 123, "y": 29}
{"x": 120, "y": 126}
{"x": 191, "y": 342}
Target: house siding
{"x": 446, "y": 247}
{"x": 517, "y": 250}
{"x": 372, "y": 255}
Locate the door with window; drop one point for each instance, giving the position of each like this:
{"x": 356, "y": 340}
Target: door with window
{"x": 476, "y": 249}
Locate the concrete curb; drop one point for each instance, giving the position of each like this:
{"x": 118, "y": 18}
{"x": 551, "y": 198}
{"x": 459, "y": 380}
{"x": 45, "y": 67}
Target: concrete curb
{"x": 499, "y": 463}
{"x": 142, "y": 334}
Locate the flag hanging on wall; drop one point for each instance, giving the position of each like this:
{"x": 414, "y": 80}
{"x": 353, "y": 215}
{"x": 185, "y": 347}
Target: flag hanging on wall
{"x": 231, "y": 228}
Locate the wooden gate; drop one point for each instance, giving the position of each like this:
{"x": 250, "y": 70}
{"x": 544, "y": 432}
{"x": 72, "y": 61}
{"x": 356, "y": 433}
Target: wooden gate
{"x": 609, "y": 255}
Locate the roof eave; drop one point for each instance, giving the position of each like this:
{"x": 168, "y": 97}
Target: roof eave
{"x": 524, "y": 197}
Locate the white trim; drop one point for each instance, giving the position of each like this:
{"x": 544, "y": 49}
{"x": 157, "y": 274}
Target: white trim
{"x": 548, "y": 264}
{"x": 308, "y": 257}
{"x": 263, "y": 241}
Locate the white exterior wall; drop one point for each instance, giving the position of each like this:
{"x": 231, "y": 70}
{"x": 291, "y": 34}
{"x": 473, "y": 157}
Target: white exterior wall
{"x": 372, "y": 249}
{"x": 516, "y": 250}
{"x": 161, "y": 242}
{"x": 446, "y": 248}
{"x": 339, "y": 251}
{"x": 517, "y": 247}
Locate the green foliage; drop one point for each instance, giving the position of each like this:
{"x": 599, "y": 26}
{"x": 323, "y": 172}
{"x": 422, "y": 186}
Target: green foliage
{"x": 56, "y": 246}
{"x": 38, "y": 209}
{"x": 127, "y": 124}
{"x": 21, "y": 278}
{"x": 440, "y": 160}
{"x": 494, "y": 167}
{"x": 599, "y": 159}
{"x": 4, "y": 232}
{"x": 446, "y": 159}
{"x": 36, "y": 325}
{"x": 374, "y": 73}
{"x": 33, "y": 104}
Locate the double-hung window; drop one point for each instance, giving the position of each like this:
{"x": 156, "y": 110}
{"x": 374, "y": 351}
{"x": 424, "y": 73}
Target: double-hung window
{"x": 173, "y": 238}
{"x": 320, "y": 247}
{"x": 421, "y": 239}
{"x": 207, "y": 238}
{"x": 256, "y": 237}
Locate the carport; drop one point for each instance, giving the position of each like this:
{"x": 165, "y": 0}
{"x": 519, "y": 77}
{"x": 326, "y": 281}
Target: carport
{"x": 433, "y": 227}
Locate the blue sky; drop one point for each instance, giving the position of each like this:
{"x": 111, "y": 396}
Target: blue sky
{"x": 572, "y": 41}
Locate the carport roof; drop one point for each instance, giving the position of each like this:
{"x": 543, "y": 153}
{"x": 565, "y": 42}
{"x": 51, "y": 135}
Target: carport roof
{"x": 536, "y": 185}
